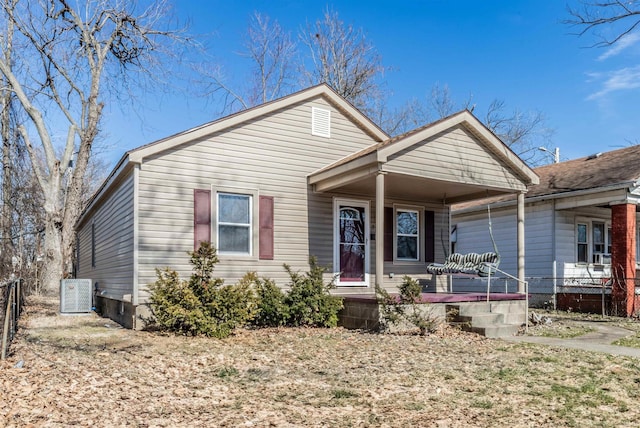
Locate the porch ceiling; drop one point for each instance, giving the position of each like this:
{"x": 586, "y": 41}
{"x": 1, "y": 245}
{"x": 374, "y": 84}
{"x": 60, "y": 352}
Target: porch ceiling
{"x": 412, "y": 188}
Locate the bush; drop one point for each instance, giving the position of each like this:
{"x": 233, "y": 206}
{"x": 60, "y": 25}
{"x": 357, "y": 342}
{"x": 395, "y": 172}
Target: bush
{"x": 203, "y": 305}
{"x": 309, "y": 301}
{"x": 407, "y": 307}
{"x": 272, "y": 310}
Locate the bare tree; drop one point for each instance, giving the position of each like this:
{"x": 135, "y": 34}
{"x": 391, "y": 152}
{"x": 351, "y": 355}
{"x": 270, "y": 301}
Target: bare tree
{"x": 271, "y": 52}
{"x": 523, "y": 132}
{"x": 618, "y": 17}
{"x": 69, "y": 53}
{"x": 6, "y": 97}
{"x": 342, "y": 57}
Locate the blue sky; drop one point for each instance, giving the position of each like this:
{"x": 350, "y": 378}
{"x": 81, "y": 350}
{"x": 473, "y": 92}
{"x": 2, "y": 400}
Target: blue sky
{"x": 515, "y": 51}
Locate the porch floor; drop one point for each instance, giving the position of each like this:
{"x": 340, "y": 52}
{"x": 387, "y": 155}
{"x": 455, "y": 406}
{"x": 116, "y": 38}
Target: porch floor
{"x": 444, "y": 297}
{"x": 361, "y": 311}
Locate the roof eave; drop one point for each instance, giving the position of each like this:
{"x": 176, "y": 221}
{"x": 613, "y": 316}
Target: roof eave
{"x": 550, "y": 196}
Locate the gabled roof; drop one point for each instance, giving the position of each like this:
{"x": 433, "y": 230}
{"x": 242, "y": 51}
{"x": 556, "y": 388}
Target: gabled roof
{"x": 599, "y": 170}
{"x": 136, "y": 155}
{"x": 617, "y": 168}
{"x": 464, "y": 118}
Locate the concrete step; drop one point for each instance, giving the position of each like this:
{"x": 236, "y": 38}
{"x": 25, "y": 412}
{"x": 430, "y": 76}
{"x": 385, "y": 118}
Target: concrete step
{"x": 493, "y": 324}
{"x": 508, "y": 306}
{"x": 473, "y": 308}
{"x": 496, "y": 331}
{"x": 482, "y": 319}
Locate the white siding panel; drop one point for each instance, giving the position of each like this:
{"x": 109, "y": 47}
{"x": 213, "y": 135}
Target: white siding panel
{"x": 473, "y": 236}
{"x": 453, "y": 156}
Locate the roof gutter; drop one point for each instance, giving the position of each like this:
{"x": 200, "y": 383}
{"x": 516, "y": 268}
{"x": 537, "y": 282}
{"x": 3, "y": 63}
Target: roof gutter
{"x": 633, "y": 186}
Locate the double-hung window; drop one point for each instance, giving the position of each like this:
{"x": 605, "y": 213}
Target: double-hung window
{"x": 598, "y": 237}
{"x": 593, "y": 241}
{"x": 407, "y": 232}
{"x": 583, "y": 244}
{"x": 234, "y": 224}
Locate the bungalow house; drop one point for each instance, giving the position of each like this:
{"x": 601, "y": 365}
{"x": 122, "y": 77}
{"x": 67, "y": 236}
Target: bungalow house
{"x": 304, "y": 175}
{"x": 581, "y": 231}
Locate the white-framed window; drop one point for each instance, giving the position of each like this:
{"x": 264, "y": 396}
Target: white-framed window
{"x": 582, "y": 243}
{"x": 598, "y": 231}
{"x": 407, "y": 228}
{"x": 234, "y": 223}
{"x": 593, "y": 241}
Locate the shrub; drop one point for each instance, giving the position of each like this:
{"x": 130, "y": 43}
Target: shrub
{"x": 272, "y": 310}
{"x": 202, "y": 305}
{"x": 174, "y": 305}
{"x": 309, "y": 301}
{"x": 407, "y": 307}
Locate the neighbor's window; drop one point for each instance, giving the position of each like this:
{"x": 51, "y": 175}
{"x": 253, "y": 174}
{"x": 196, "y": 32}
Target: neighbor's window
{"x": 234, "y": 223}
{"x": 598, "y": 238}
{"x": 407, "y": 235}
{"x": 609, "y": 240}
{"x": 582, "y": 243}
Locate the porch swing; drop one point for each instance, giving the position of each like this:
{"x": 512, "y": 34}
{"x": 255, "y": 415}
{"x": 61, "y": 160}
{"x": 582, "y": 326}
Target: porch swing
{"x": 482, "y": 265}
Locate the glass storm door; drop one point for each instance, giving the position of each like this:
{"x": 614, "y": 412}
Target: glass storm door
{"x": 351, "y": 247}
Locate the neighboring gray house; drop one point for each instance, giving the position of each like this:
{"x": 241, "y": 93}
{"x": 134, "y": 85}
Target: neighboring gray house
{"x": 580, "y": 226}
{"x": 304, "y": 175}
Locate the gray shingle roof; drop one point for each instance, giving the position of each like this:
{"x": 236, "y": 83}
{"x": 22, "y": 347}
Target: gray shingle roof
{"x": 590, "y": 172}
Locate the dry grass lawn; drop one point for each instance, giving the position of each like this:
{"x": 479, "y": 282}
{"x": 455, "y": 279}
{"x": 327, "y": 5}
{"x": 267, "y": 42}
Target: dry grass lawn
{"x": 86, "y": 371}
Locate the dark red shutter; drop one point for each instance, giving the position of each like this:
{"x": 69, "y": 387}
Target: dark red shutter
{"x": 388, "y": 234}
{"x": 429, "y": 236}
{"x": 266, "y": 228}
{"x": 201, "y": 217}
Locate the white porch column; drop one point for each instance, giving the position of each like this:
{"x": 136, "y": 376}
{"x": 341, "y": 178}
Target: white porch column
{"x": 379, "y": 228}
{"x": 520, "y": 239}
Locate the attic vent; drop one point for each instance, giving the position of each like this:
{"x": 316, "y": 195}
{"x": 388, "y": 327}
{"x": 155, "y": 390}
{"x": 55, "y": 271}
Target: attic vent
{"x": 594, "y": 156}
{"x": 75, "y": 295}
{"x": 320, "y": 122}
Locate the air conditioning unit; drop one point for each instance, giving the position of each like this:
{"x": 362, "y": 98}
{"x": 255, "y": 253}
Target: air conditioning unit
{"x": 602, "y": 259}
{"x": 75, "y": 296}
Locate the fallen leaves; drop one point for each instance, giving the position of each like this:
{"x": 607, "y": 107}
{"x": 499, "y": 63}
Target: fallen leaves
{"x": 86, "y": 371}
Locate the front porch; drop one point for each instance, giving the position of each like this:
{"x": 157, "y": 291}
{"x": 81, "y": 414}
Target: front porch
{"x": 498, "y": 316}
{"x": 392, "y": 200}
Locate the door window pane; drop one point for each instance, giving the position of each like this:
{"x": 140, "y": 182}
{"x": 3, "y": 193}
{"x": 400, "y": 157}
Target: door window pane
{"x": 352, "y": 243}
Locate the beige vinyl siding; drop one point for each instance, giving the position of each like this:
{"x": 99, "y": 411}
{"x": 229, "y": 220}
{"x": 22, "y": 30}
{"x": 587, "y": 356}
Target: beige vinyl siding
{"x": 416, "y": 270}
{"x": 269, "y": 156}
{"x": 113, "y": 223}
{"x": 454, "y": 155}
